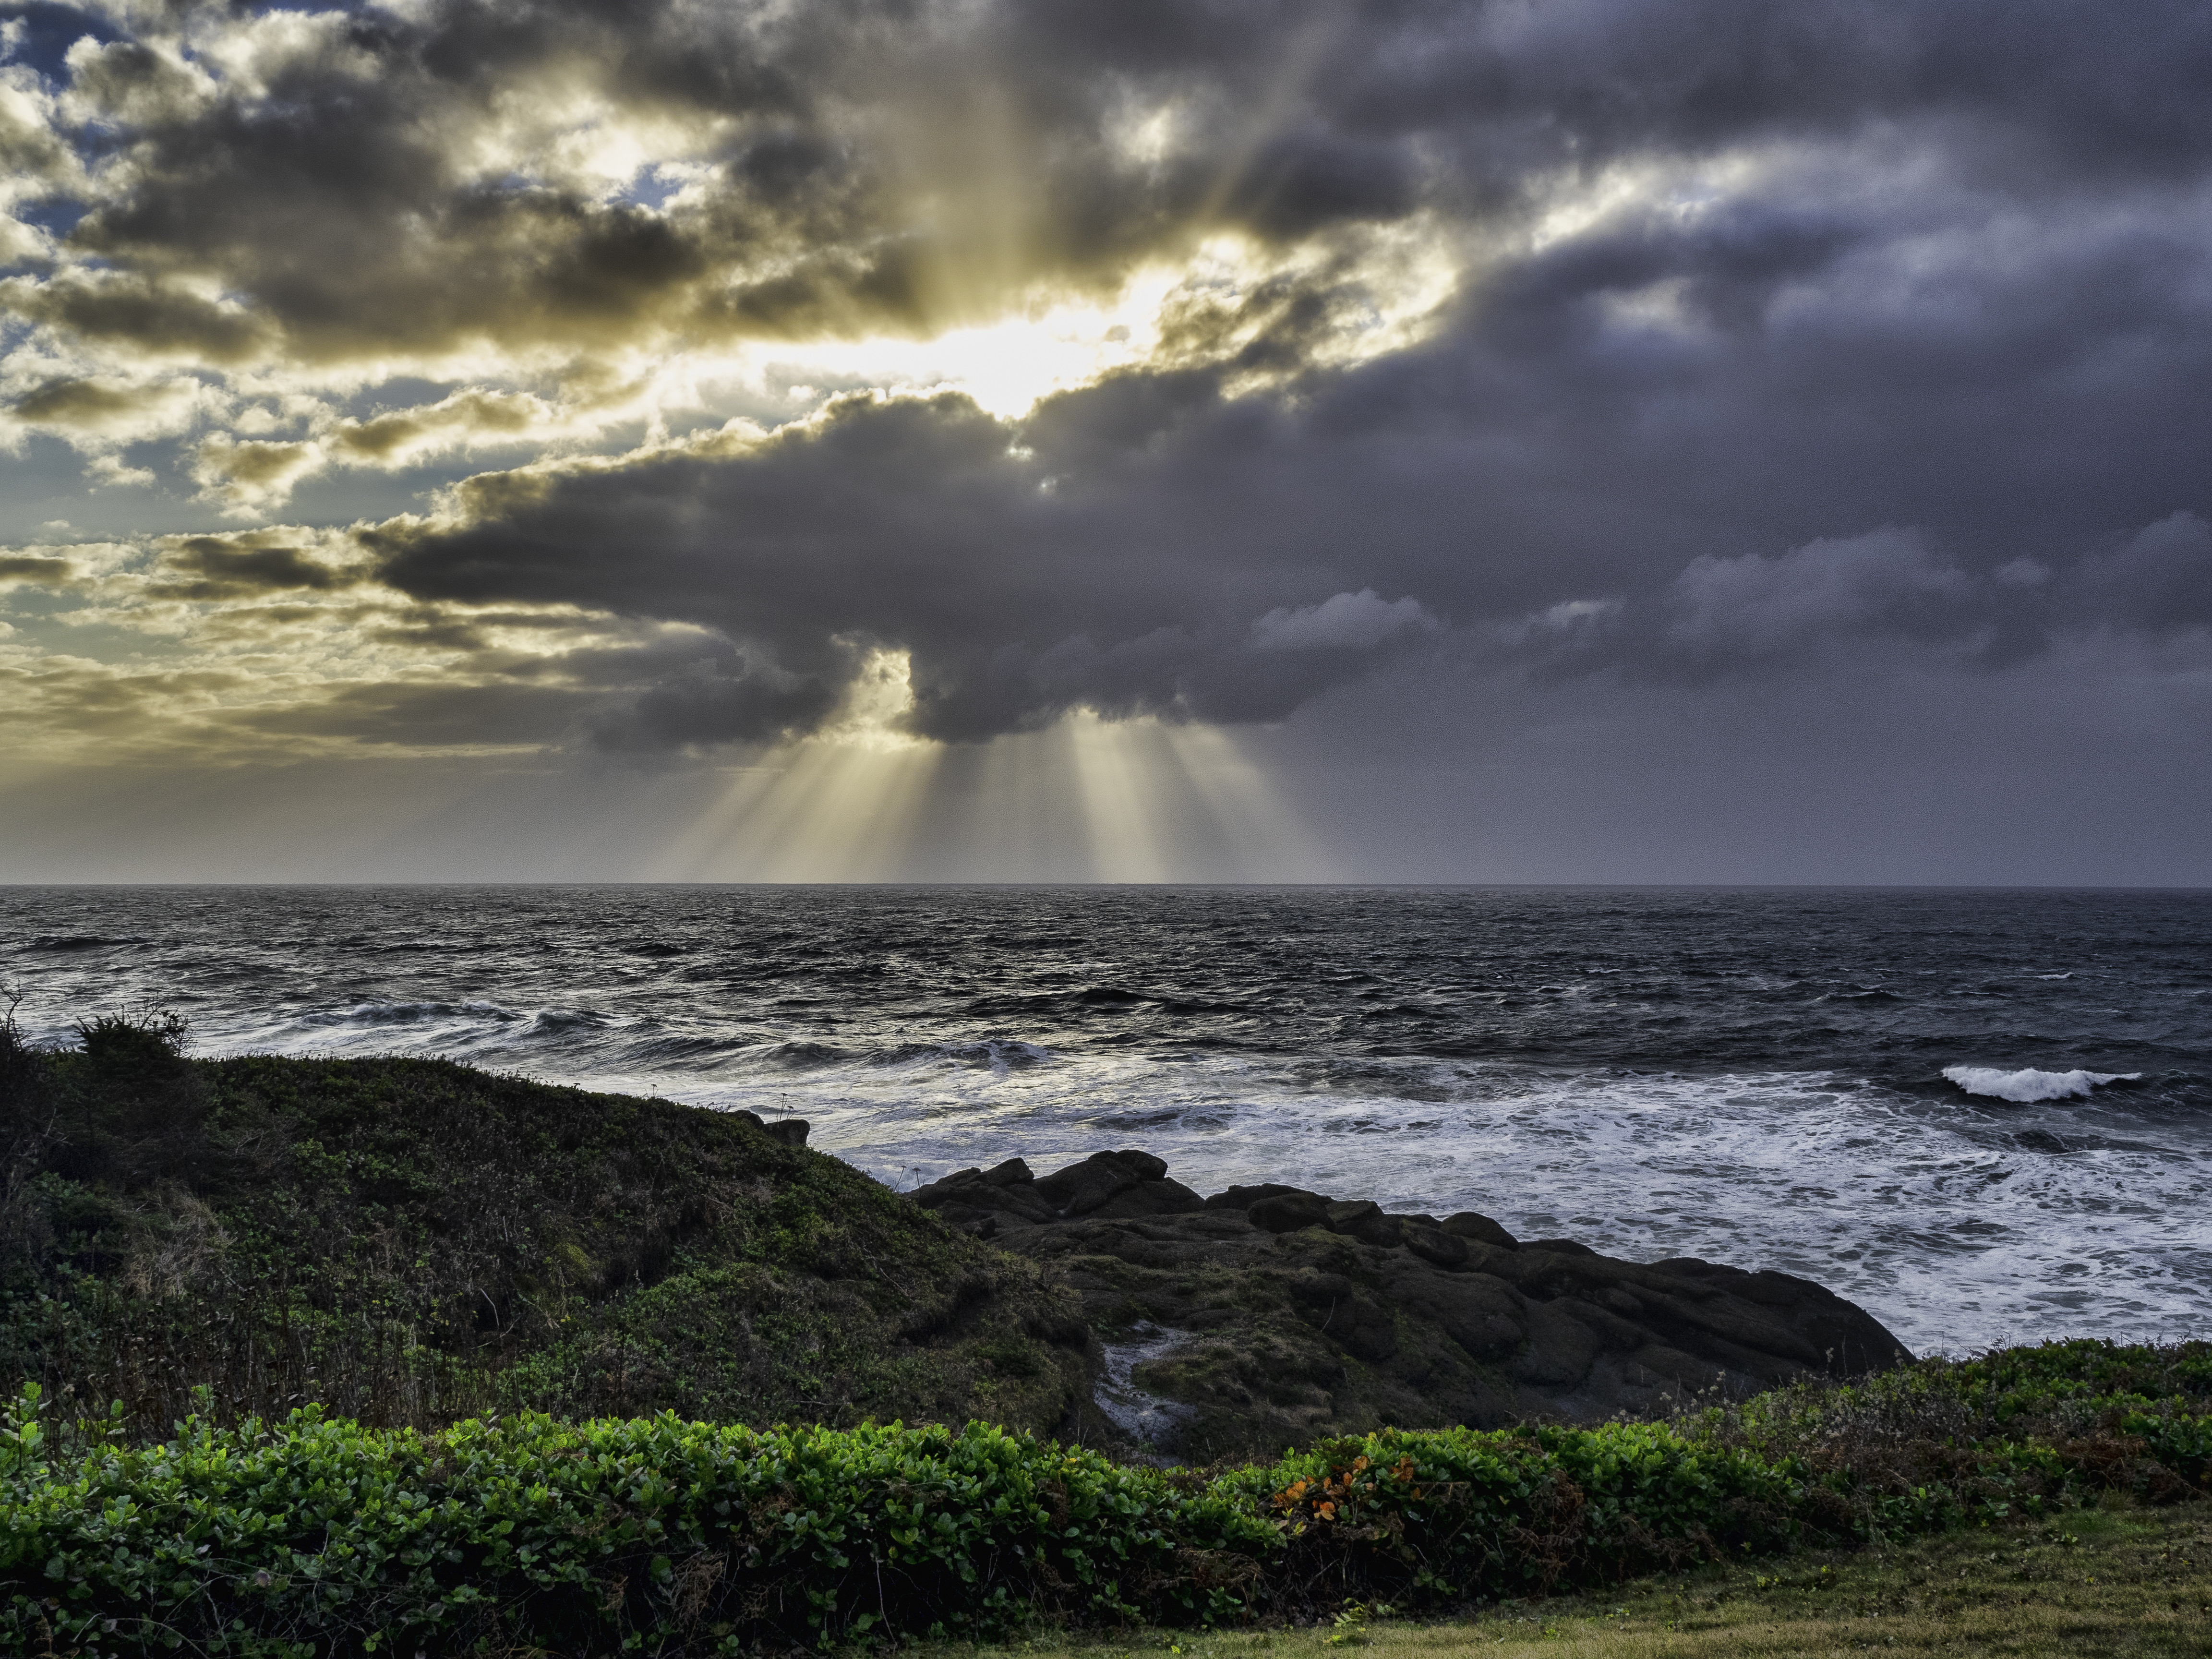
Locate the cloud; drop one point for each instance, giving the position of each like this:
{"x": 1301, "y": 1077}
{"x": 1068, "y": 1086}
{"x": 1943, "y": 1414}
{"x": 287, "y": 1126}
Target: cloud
{"x": 218, "y": 567}
{"x": 1343, "y": 621}
{"x": 1752, "y": 607}
{"x": 36, "y": 570}
{"x": 96, "y": 415}
{"x": 76, "y": 402}
{"x": 2159, "y": 579}
{"x": 429, "y": 180}
{"x": 464, "y": 419}
{"x": 1614, "y": 341}
{"x": 926, "y": 527}
{"x": 144, "y": 314}
{"x": 252, "y": 475}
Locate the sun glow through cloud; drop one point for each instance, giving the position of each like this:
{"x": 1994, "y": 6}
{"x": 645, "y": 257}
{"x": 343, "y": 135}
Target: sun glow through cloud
{"x": 1205, "y": 305}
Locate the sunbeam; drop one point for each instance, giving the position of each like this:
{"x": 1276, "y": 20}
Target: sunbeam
{"x": 837, "y": 805}
{"x": 1084, "y": 799}
{"x": 1120, "y": 783}
{"x": 1265, "y": 838}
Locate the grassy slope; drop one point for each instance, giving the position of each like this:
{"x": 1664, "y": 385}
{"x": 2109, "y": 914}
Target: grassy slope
{"x": 408, "y": 1241}
{"x": 2120, "y": 1580}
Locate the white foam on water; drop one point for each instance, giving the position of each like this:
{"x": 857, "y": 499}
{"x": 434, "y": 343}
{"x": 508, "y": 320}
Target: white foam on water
{"x": 1958, "y": 1227}
{"x": 2028, "y": 1085}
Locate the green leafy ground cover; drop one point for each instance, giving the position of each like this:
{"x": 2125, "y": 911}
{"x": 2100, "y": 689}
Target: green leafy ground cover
{"x": 660, "y": 1535}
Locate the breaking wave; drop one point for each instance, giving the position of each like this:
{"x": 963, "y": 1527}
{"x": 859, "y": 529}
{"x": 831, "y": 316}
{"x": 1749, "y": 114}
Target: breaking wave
{"x": 2027, "y": 1086}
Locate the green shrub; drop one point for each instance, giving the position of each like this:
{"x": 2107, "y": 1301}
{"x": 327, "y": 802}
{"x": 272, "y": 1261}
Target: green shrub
{"x": 313, "y": 1535}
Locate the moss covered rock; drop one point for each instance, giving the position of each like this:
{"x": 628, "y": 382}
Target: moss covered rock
{"x": 1266, "y": 1316}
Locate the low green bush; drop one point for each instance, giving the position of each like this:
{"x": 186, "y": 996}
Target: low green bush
{"x": 1448, "y": 1515}
{"x": 317, "y": 1536}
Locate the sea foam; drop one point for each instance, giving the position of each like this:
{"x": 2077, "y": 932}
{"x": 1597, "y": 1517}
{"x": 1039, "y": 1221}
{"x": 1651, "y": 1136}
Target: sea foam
{"x": 2029, "y": 1085}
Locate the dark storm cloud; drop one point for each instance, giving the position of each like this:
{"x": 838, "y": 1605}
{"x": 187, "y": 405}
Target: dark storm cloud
{"x": 872, "y": 166}
{"x": 1785, "y": 330}
{"x": 919, "y": 526}
{"x": 139, "y": 311}
{"x": 2159, "y": 579}
{"x": 415, "y": 715}
{"x": 1807, "y": 456}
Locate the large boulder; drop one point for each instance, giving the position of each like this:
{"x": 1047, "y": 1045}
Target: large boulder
{"x": 1268, "y": 1314}
{"x": 1107, "y": 1185}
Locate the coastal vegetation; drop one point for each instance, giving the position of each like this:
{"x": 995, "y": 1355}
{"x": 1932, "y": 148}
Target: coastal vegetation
{"x": 408, "y": 1242}
{"x": 318, "y": 1357}
{"x": 315, "y": 1535}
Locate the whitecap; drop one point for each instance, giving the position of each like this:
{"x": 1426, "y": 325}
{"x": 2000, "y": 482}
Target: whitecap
{"x": 2028, "y": 1085}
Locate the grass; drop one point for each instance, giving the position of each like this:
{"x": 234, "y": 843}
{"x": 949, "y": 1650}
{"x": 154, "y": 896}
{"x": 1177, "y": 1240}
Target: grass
{"x": 2119, "y": 1579}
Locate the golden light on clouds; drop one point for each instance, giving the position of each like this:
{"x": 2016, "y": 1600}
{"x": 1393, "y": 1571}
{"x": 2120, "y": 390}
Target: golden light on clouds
{"x": 1202, "y": 309}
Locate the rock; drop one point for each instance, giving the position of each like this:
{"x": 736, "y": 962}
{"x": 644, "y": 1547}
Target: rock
{"x": 1275, "y": 1315}
{"x": 1151, "y": 1198}
{"x": 1243, "y": 1198}
{"x": 791, "y": 1131}
{"x": 1288, "y": 1211}
{"x": 1105, "y": 1184}
{"x": 1438, "y": 1247}
{"x": 1480, "y": 1228}
{"x": 972, "y": 1201}
{"x": 1366, "y": 1222}
{"x": 1082, "y": 1187}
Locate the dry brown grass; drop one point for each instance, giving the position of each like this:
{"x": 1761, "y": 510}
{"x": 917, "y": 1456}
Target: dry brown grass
{"x": 2121, "y": 1579}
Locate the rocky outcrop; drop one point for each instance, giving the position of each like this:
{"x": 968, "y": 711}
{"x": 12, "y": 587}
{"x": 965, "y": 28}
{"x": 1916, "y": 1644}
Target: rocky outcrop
{"x": 1300, "y": 1315}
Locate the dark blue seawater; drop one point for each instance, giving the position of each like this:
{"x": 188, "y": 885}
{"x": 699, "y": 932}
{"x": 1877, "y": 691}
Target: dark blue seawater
{"x": 1754, "y": 1077}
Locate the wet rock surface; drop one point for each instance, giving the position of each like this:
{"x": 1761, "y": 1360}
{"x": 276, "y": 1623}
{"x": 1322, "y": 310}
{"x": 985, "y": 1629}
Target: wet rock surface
{"x": 1273, "y": 1315}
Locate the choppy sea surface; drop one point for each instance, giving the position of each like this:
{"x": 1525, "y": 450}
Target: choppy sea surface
{"x": 1986, "y": 1116}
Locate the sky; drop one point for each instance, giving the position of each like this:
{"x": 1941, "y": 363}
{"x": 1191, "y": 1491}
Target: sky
{"x": 1566, "y": 440}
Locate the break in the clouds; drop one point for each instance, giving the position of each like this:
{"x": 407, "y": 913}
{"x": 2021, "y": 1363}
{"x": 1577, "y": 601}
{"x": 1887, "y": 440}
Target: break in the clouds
{"x": 447, "y": 378}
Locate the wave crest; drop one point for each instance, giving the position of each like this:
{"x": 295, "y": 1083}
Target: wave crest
{"x": 2028, "y": 1085}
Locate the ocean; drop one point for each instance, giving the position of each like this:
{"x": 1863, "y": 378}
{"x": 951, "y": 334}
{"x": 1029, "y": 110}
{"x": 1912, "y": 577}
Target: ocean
{"x": 1985, "y": 1117}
